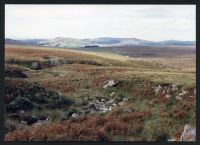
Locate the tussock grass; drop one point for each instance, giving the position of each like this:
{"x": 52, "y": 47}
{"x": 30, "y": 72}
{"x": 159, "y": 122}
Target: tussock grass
{"x": 77, "y": 77}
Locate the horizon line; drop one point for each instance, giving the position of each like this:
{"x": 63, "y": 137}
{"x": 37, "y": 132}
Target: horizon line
{"x": 23, "y": 38}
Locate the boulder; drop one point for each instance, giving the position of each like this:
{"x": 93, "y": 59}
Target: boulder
{"x": 30, "y": 119}
{"x": 15, "y": 73}
{"x": 110, "y": 83}
{"x": 54, "y": 61}
{"x": 36, "y": 66}
{"x": 21, "y": 103}
{"x": 188, "y": 134}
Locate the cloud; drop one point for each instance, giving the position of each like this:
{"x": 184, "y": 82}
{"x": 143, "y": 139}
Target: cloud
{"x": 150, "y": 22}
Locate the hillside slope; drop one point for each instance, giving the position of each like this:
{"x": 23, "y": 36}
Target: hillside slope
{"x": 55, "y": 94}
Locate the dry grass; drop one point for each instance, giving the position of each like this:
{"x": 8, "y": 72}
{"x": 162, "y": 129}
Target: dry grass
{"x": 151, "y": 114}
{"x": 87, "y": 128}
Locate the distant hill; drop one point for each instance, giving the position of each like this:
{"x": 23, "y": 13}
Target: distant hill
{"x": 176, "y": 42}
{"x": 100, "y": 42}
{"x": 33, "y": 41}
{"x": 12, "y": 41}
{"x": 27, "y": 41}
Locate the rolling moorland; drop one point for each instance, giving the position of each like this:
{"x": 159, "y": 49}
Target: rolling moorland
{"x": 119, "y": 93}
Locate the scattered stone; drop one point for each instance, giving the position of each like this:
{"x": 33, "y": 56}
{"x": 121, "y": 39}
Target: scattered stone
{"x": 168, "y": 90}
{"x": 102, "y": 104}
{"x": 125, "y": 100}
{"x": 60, "y": 75}
{"x": 101, "y": 99}
{"x": 110, "y": 108}
{"x": 180, "y": 95}
{"x": 163, "y": 92}
{"x": 173, "y": 139}
{"x": 111, "y": 101}
{"x": 121, "y": 103}
{"x": 103, "y": 108}
{"x": 157, "y": 89}
{"x": 54, "y": 61}
{"x": 178, "y": 98}
{"x": 191, "y": 97}
{"x": 23, "y": 122}
{"x": 168, "y": 96}
{"x": 189, "y": 133}
{"x": 183, "y": 93}
{"x": 174, "y": 88}
{"x": 114, "y": 105}
{"x": 75, "y": 115}
{"x": 93, "y": 111}
{"x": 110, "y": 83}
{"x": 36, "y": 66}
{"x": 112, "y": 94}
{"x": 194, "y": 91}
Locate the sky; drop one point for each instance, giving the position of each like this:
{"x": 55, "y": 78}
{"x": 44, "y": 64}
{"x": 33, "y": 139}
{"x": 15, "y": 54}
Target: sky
{"x": 148, "y": 22}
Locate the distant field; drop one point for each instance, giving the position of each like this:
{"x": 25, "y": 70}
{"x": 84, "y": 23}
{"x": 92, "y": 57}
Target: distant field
{"x": 63, "y": 84}
{"x": 147, "y": 51}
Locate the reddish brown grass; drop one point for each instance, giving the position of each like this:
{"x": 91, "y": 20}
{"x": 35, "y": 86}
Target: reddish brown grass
{"x": 89, "y": 127}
